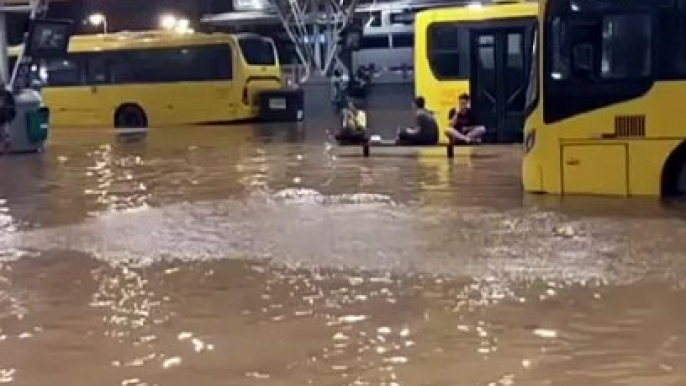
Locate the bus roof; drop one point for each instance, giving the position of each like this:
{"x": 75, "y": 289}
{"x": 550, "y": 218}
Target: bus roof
{"x": 143, "y": 40}
{"x": 479, "y": 12}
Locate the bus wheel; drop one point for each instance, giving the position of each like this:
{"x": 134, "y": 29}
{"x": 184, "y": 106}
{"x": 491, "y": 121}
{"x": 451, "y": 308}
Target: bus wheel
{"x": 674, "y": 173}
{"x": 680, "y": 183}
{"x": 130, "y": 116}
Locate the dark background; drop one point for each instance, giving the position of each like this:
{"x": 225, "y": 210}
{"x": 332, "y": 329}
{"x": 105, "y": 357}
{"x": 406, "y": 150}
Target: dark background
{"x": 121, "y": 14}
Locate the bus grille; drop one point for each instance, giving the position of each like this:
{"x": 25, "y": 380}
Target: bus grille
{"x": 630, "y": 126}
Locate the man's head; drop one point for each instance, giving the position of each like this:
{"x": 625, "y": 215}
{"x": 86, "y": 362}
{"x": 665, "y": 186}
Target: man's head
{"x": 419, "y": 103}
{"x": 463, "y": 101}
{"x": 351, "y": 105}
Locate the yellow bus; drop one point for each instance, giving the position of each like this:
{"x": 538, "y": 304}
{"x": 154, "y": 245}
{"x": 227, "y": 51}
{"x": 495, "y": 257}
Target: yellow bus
{"x": 157, "y": 78}
{"x": 605, "y": 112}
{"x": 482, "y": 50}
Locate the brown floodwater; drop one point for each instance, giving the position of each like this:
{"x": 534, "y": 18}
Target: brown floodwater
{"x": 242, "y": 256}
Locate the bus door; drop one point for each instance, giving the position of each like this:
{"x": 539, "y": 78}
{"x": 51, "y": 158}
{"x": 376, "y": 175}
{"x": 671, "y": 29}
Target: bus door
{"x": 499, "y": 67}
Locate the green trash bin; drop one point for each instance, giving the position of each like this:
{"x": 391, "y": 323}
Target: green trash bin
{"x": 38, "y": 124}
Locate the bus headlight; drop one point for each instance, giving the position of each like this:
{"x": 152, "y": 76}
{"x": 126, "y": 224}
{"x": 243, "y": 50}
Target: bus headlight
{"x": 529, "y": 141}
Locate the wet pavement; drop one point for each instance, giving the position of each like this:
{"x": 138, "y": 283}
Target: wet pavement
{"x": 265, "y": 256}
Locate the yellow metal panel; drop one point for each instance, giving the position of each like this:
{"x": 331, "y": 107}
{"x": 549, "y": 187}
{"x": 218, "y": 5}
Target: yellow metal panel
{"x": 595, "y": 169}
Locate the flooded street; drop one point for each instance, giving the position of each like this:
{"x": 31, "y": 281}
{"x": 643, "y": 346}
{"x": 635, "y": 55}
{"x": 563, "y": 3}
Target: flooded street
{"x": 240, "y": 256}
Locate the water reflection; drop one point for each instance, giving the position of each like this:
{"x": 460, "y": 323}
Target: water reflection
{"x": 229, "y": 255}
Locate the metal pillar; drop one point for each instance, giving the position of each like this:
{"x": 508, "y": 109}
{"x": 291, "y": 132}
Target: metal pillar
{"x": 4, "y": 59}
{"x": 306, "y": 21}
{"x": 36, "y": 9}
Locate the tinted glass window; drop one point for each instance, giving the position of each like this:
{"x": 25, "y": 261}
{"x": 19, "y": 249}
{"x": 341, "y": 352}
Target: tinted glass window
{"x": 595, "y": 60}
{"x": 487, "y": 52}
{"x": 626, "y": 47}
{"x": 183, "y": 64}
{"x": 99, "y": 69}
{"x": 371, "y": 42}
{"x": 257, "y": 51}
{"x": 532, "y": 86}
{"x": 403, "y": 40}
{"x": 448, "y": 50}
{"x": 680, "y": 35}
{"x": 62, "y": 72}
{"x": 559, "y": 63}
{"x": 670, "y": 43}
{"x": 515, "y": 54}
{"x": 610, "y": 47}
{"x": 608, "y": 5}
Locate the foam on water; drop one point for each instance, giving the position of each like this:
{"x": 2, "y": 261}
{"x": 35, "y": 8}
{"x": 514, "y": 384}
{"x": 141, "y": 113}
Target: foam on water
{"x": 304, "y": 228}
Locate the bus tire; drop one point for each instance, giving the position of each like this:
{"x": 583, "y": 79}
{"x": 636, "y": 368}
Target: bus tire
{"x": 130, "y": 115}
{"x": 674, "y": 173}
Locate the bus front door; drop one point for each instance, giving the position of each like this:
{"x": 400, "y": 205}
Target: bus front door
{"x": 498, "y": 81}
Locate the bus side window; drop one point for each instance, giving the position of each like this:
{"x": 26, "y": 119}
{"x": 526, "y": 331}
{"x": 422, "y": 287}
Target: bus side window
{"x": 63, "y": 72}
{"x": 98, "y": 69}
{"x": 216, "y": 61}
{"x": 672, "y": 50}
{"x": 448, "y": 50}
{"x": 120, "y": 67}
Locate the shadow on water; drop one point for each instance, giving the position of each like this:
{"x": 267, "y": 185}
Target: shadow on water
{"x": 263, "y": 255}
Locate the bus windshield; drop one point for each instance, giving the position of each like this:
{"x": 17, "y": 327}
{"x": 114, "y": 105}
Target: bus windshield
{"x": 532, "y": 84}
{"x": 257, "y": 51}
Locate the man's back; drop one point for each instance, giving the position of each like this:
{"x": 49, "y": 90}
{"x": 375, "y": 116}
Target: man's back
{"x": 427, "y": 125}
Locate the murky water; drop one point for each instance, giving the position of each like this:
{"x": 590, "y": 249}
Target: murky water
{"x": 233, "y": 256}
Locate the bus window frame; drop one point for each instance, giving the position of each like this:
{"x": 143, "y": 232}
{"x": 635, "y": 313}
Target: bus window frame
{"x": 84, "y": 58}
{"x": 595, "y": 92}
{"x": 263, "y": 40}
{"x": 77, "y": 59}
{"x": 464, "y": 70}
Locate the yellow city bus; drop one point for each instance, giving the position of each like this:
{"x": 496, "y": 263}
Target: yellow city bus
{"x": 158, "y": 78}
{"x": 606, "y": 117}
{"x": 482, "y": 50}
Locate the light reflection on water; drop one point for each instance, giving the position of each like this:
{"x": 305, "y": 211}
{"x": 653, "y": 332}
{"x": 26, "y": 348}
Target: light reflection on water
{"x": 214, "y": 257}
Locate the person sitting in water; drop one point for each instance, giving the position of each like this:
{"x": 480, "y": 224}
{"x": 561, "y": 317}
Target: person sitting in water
{"x": 354, "y": 128}
{"x": 463, "y": 125}
{"x": 425, "y": 131}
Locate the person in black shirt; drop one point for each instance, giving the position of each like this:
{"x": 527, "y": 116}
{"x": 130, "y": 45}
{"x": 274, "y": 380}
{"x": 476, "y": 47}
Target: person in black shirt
{"x": 463, "y": 125}
{"x": 425, "y": 131}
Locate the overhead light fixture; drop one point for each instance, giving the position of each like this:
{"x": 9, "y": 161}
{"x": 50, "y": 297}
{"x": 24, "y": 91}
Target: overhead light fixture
{"x": 98, "y": 19}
